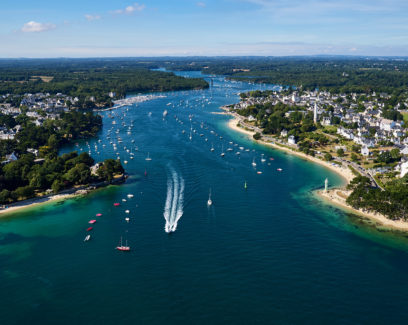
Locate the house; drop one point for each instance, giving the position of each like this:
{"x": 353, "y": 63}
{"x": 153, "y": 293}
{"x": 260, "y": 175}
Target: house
{"x": 251, "y": 118}
{"x": 10, "y": 158}
{"x": 326, "y": 121}
{"x": 404, "y": 168}
{"x": 284, "y": 133}
{"x": 291, "y": 140}
{"x": 365, "y": 151}
{"x": 387, "y": 125}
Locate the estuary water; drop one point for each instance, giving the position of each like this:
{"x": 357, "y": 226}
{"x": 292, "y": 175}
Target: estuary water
{"x": 267, "y": 253}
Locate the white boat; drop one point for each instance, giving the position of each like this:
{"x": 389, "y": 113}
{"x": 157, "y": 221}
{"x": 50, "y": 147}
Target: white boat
{"x": 148, "y": 158}
{"x": 253, "y": 162}
{"x": 130, "y": 196}
{"x": 209, "y": 202}
{"x": 263, "y": 159}
{"x": 88, "y": 237}
{"x": 212, "y": 148}
{"x": 165, "y": 113}
{"x": 222, "y": 151}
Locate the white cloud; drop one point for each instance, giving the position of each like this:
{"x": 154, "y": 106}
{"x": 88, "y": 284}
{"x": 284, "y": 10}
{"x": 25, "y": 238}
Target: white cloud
{"x": 201, "y": 4}
{"x": 35, "y": 27}
{"x": 130, "y": 9}
{"x": 92, "y": 17}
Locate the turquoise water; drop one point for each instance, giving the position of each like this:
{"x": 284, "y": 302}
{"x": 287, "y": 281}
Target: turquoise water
{"x": 270, "y": 254}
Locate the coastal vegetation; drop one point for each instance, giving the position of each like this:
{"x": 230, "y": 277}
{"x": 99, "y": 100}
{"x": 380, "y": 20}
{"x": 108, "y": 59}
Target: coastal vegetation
{"x": 52, "y": 134}
{"x": 28, "y": 177}
{"x": 391, "y": 202}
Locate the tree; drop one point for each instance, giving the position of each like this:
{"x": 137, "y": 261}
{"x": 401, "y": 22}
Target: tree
{"x": 4, "y": 196}
{"x": 340, "y": 152}
{"x": 257, "y": 136}
{"x": 57, "y": 186}
{"x": 354, "y": 157}
{"x": 328, "y": 157}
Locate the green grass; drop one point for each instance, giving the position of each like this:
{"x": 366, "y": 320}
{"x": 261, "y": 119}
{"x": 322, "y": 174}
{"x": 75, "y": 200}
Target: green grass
{"x": 405, "y": 115}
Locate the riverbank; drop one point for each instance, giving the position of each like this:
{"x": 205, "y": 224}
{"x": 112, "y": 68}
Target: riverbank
{"x": 344, "y": 172}
{"x": 336, "y": 196}
{"x": 64, "y": 195}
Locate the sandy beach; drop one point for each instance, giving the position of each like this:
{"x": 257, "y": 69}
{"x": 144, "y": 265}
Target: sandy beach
{"x": 342, "y": 171}
{"x": 336, "y": 196}
{"x": 30, "y": 203}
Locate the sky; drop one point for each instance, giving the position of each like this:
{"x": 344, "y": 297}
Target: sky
{"x": 112, "y": 28}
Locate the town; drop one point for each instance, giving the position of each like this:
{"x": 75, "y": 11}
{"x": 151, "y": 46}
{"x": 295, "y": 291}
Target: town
{"x": 365, "y": 131}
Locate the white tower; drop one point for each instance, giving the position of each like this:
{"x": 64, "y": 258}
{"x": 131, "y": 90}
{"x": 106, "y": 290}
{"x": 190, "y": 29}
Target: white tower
{"x": 315, "y": 113}
{"x": 326, "y": 184}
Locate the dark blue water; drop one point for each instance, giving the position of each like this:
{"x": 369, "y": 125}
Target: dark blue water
{"x": 268, "y": 254}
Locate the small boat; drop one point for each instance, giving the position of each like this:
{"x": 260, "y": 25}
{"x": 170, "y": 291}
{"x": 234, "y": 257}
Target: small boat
{"x": 263, "y": 159}
{"x": 123, "y": 200}
{"x": 279, "y": 169}
{"x": 127, "y": 219}
{"x": 116, "y": 204}
{"x": 209, "y": 202}
{"x": 87, "y": 237}
{"x": 222, "y": 152}
{"x": 125, "y": 161}
{"x": 212, "y": 148}
{"x": 127, "y": 211}
{"x": 245, "y": 185}
{"x": 89, "y": 229}
{"x": 165, "y": 113}
{"x": 253, "y": 162}
{"x": 91, "y": 221}
{"x": 148, "y": 157}
{"x": 130, "y": 196}
{"x": 259, "y": 172}
{"x": 99, "y": 214}
{"x": 125, "y": 248}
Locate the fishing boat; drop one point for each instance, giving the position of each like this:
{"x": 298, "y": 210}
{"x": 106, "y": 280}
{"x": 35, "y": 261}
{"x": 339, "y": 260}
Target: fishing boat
{"x": 88, "y": 237}
{"x": 209, "y": 202}
{"x": 125, "y": 248}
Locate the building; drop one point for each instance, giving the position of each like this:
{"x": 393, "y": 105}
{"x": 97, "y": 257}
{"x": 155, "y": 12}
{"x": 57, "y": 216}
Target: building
{"x": 291, "y": 139}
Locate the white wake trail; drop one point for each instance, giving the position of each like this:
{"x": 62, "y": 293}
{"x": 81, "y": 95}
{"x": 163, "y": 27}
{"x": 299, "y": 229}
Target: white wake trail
{"x": 167, "y": 207}
{"x": 173, "y": 209}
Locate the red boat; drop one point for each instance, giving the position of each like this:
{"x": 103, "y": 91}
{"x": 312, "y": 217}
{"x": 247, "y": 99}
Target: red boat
{"x": 122, "y": 248}
{"x": 116, "y": 204}
{"x": 91, "y": 221}
{"x": 89, "y": 229}
{"x": 99, "y": 214}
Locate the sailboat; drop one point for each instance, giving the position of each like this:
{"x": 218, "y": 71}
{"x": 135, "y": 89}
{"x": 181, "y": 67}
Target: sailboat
{"x": 87, "y": 237}
{"x": 263, "y": 159}
{"x": 222, "y": 151}
{"x": 209, "y": 202}
{"x": 212, "y": 148}
{"x": 253, "y": 162}
{"x": 125, "y": 248}
{"x": 148, "y": 157}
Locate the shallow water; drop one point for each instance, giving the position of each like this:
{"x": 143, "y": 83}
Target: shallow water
{"x": 271, "y": 253}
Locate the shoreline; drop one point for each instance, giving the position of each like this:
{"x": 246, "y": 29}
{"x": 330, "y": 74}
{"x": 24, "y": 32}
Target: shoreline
{"x": 332, "y": 195}
{"x": 345, "y": 173}
{"x": 33, "y": 202}
{"x": 63, "y": 195}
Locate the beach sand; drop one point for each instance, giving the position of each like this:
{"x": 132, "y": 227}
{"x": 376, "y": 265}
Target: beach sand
{"x": 336, "y": 196}
{"x": 30, "y": 203}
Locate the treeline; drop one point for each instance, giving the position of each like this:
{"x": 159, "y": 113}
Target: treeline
{"x": 51, "y": 135}
{"x": 392, "y": 202}
{"x": 88, "y": 78}
{"x": 336, "y": 74}
{"x": 26, "y": 177}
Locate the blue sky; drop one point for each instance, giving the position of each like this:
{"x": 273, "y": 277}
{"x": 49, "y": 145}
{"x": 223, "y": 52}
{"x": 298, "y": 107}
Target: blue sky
{"x": 83, "y": 28}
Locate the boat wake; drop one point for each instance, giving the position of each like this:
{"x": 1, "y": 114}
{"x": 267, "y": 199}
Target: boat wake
{"x": 173, "y": 208}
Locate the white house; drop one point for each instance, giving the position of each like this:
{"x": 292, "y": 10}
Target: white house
{"x": 251, "y": 118}
{"x": 291, "y": 139}
{"x": 365, "y": 151}
{"x": 387, "y": 125}
{"x": 284, "y": 133}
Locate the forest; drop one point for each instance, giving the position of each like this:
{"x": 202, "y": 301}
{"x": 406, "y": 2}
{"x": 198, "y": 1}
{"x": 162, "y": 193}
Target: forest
{"x": 392, "y": 202}
{"x": 337, "y": 74}
{"x": 86, "y": 78}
